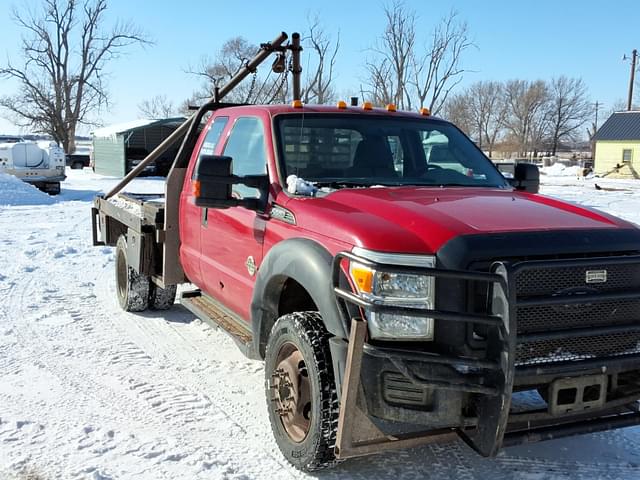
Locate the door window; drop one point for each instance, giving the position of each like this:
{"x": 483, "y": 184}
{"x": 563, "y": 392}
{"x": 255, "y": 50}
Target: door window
{"x": 246, "y": 147}
{"x": 212, "y": 138}
{"x": 213, "y": 135}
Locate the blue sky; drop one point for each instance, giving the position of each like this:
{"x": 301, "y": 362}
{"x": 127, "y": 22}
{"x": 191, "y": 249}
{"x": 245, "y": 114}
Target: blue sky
{"x": 515, "y": 39}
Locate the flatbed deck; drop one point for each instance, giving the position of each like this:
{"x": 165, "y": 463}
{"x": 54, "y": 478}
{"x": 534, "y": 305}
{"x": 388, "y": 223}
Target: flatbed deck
{"x": 141, "y": 212}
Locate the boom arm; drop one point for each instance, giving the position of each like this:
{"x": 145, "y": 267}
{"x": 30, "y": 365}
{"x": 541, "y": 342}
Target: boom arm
{"x": 265, "y": 50}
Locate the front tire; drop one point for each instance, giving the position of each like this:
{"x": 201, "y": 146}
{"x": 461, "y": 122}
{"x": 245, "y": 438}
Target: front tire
{"x": 132, "y": 288}
{"x": 301, "y": 392}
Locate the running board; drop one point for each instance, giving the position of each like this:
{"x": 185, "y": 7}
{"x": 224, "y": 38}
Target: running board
{"x": 219, "y": 317}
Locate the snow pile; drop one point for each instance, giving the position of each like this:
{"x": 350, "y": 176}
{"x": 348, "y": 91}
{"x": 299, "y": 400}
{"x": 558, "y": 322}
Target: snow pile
{"x": 560, "y": 170}
{"x": 113, "y": 130}
{"x": 14, "y": 191}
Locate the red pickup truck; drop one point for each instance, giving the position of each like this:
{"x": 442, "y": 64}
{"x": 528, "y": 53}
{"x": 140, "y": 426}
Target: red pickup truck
{"x": 399, "y": 288}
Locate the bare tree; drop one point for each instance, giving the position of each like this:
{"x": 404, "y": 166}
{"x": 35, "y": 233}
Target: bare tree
{"x": 380, "y": 83}
{"x": 488, "y": 111}
{"x": 234, "y": 54}
{"x": 436, "y": 70}
{"x": 406, "y": 74}
{"x": 457, "y": 110}
{"x": 158, "y": 106}
{"x": 526, "y": 117}
{"x": 388, "y": 70}
{"x": 569, "y": 109}
{"x": 65, "y": 51}
{"x": 318, "y": 86}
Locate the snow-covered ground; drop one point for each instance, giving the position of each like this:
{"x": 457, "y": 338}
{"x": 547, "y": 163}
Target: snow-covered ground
{"x": 87, "y": 391}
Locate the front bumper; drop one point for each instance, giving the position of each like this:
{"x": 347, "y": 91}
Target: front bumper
{"x": 472, "y": 393}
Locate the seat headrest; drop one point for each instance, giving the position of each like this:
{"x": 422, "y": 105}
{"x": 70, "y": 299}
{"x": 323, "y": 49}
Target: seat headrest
{"x": 373, "y": 152}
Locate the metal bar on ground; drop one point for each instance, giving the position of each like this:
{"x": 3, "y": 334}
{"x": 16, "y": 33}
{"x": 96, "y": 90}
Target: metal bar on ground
{"x": 567, "y": 430}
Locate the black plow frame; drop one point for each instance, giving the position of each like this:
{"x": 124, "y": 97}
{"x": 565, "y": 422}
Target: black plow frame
{"x": 490, "y": 375}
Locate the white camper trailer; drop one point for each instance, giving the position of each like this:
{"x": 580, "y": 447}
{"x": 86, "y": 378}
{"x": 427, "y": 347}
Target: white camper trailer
{"x": 42, "y": 167}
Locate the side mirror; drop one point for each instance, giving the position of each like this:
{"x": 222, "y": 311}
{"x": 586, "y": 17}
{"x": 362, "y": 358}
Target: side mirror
{"x": 526, "y": 177}
{"x": 213, "y": 181}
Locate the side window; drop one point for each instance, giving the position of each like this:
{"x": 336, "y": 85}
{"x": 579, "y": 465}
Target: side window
{"x": 212, "y": 137}
{"x": 247, "y": 149}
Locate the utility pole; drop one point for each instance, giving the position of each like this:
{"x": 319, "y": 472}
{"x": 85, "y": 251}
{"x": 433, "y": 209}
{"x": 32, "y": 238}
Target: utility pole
{"x": 596, "y": 125}
{"x": 634, "y": 57}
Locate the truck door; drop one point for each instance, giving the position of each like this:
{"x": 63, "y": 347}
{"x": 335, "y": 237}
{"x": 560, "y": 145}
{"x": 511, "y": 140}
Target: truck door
{"x": 191, "y": 216}
{"x": 232, "y": 239}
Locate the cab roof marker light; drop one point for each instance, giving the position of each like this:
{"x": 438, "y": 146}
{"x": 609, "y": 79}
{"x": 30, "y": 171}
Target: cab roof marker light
{"x": 391, "y": 107}
{"x": 341, "y": 104}
{"x": 296, "y": 104}
{"x": 425, "y": 111}
{"x": 367, "y": 106}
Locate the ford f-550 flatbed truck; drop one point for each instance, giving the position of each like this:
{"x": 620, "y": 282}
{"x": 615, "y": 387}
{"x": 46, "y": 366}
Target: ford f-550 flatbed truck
{"x": 399, "y": 289}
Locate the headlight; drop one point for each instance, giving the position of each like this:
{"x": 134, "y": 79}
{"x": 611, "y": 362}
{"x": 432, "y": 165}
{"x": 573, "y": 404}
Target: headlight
{"x": 396, "y": 289}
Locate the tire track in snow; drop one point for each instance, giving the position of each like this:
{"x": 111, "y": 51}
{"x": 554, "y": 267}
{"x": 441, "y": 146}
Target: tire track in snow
{"x": 173, "y": 403}
{"x": 155, "y": 375}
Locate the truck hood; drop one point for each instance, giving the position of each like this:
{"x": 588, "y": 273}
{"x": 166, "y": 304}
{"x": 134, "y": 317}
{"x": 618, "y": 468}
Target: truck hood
{"x": 422, "y": 219}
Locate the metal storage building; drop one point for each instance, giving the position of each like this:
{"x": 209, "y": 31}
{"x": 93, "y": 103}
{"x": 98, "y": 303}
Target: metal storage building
{"x": 118, "y": 148}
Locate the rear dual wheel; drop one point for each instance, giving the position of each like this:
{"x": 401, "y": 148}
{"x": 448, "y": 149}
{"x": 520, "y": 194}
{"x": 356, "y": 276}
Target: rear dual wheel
{"x": 301, "y": 393}
{"x": 135, "y": 291}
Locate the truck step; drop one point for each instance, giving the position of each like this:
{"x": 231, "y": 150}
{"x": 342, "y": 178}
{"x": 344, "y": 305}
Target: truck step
{"x": 213, "y": 313}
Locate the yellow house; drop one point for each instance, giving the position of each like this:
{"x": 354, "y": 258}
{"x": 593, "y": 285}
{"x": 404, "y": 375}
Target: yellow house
{"x": 618, "y": 146}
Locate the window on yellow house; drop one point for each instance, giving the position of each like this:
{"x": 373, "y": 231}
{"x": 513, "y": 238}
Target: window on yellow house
{"x": 626, "y": 155}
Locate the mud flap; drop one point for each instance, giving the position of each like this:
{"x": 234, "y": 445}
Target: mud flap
{"x": 357, "y": 435}
{"x": 493, "y": 411}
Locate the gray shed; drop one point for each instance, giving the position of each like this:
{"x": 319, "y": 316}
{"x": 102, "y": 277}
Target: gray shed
{"x": 119, "y": 148}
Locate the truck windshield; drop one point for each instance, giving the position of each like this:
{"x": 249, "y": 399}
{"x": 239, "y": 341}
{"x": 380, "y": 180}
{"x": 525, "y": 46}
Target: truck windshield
{"x": 358, "y": 150}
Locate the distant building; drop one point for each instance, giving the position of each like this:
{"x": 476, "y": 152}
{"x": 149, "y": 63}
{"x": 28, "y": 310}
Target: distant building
{"x": 617, "y": 145}
{"x": 119, "y": 148}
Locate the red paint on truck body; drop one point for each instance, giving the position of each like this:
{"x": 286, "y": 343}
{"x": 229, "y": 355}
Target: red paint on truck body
{"x": 390, "y": 219}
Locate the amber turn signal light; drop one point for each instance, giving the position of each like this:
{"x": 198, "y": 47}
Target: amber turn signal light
{"x": 363, "y": 277}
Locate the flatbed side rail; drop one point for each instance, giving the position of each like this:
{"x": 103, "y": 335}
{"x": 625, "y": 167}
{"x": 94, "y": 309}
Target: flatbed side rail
{"x": 103, "y": 208}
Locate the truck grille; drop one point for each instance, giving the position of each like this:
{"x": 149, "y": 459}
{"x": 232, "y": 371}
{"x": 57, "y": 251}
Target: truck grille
{"x": 577, "y": 348}
{"x": 551, "y": 280}
{"x": 548, "y": 281}
{"x": 544, "y": 318}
